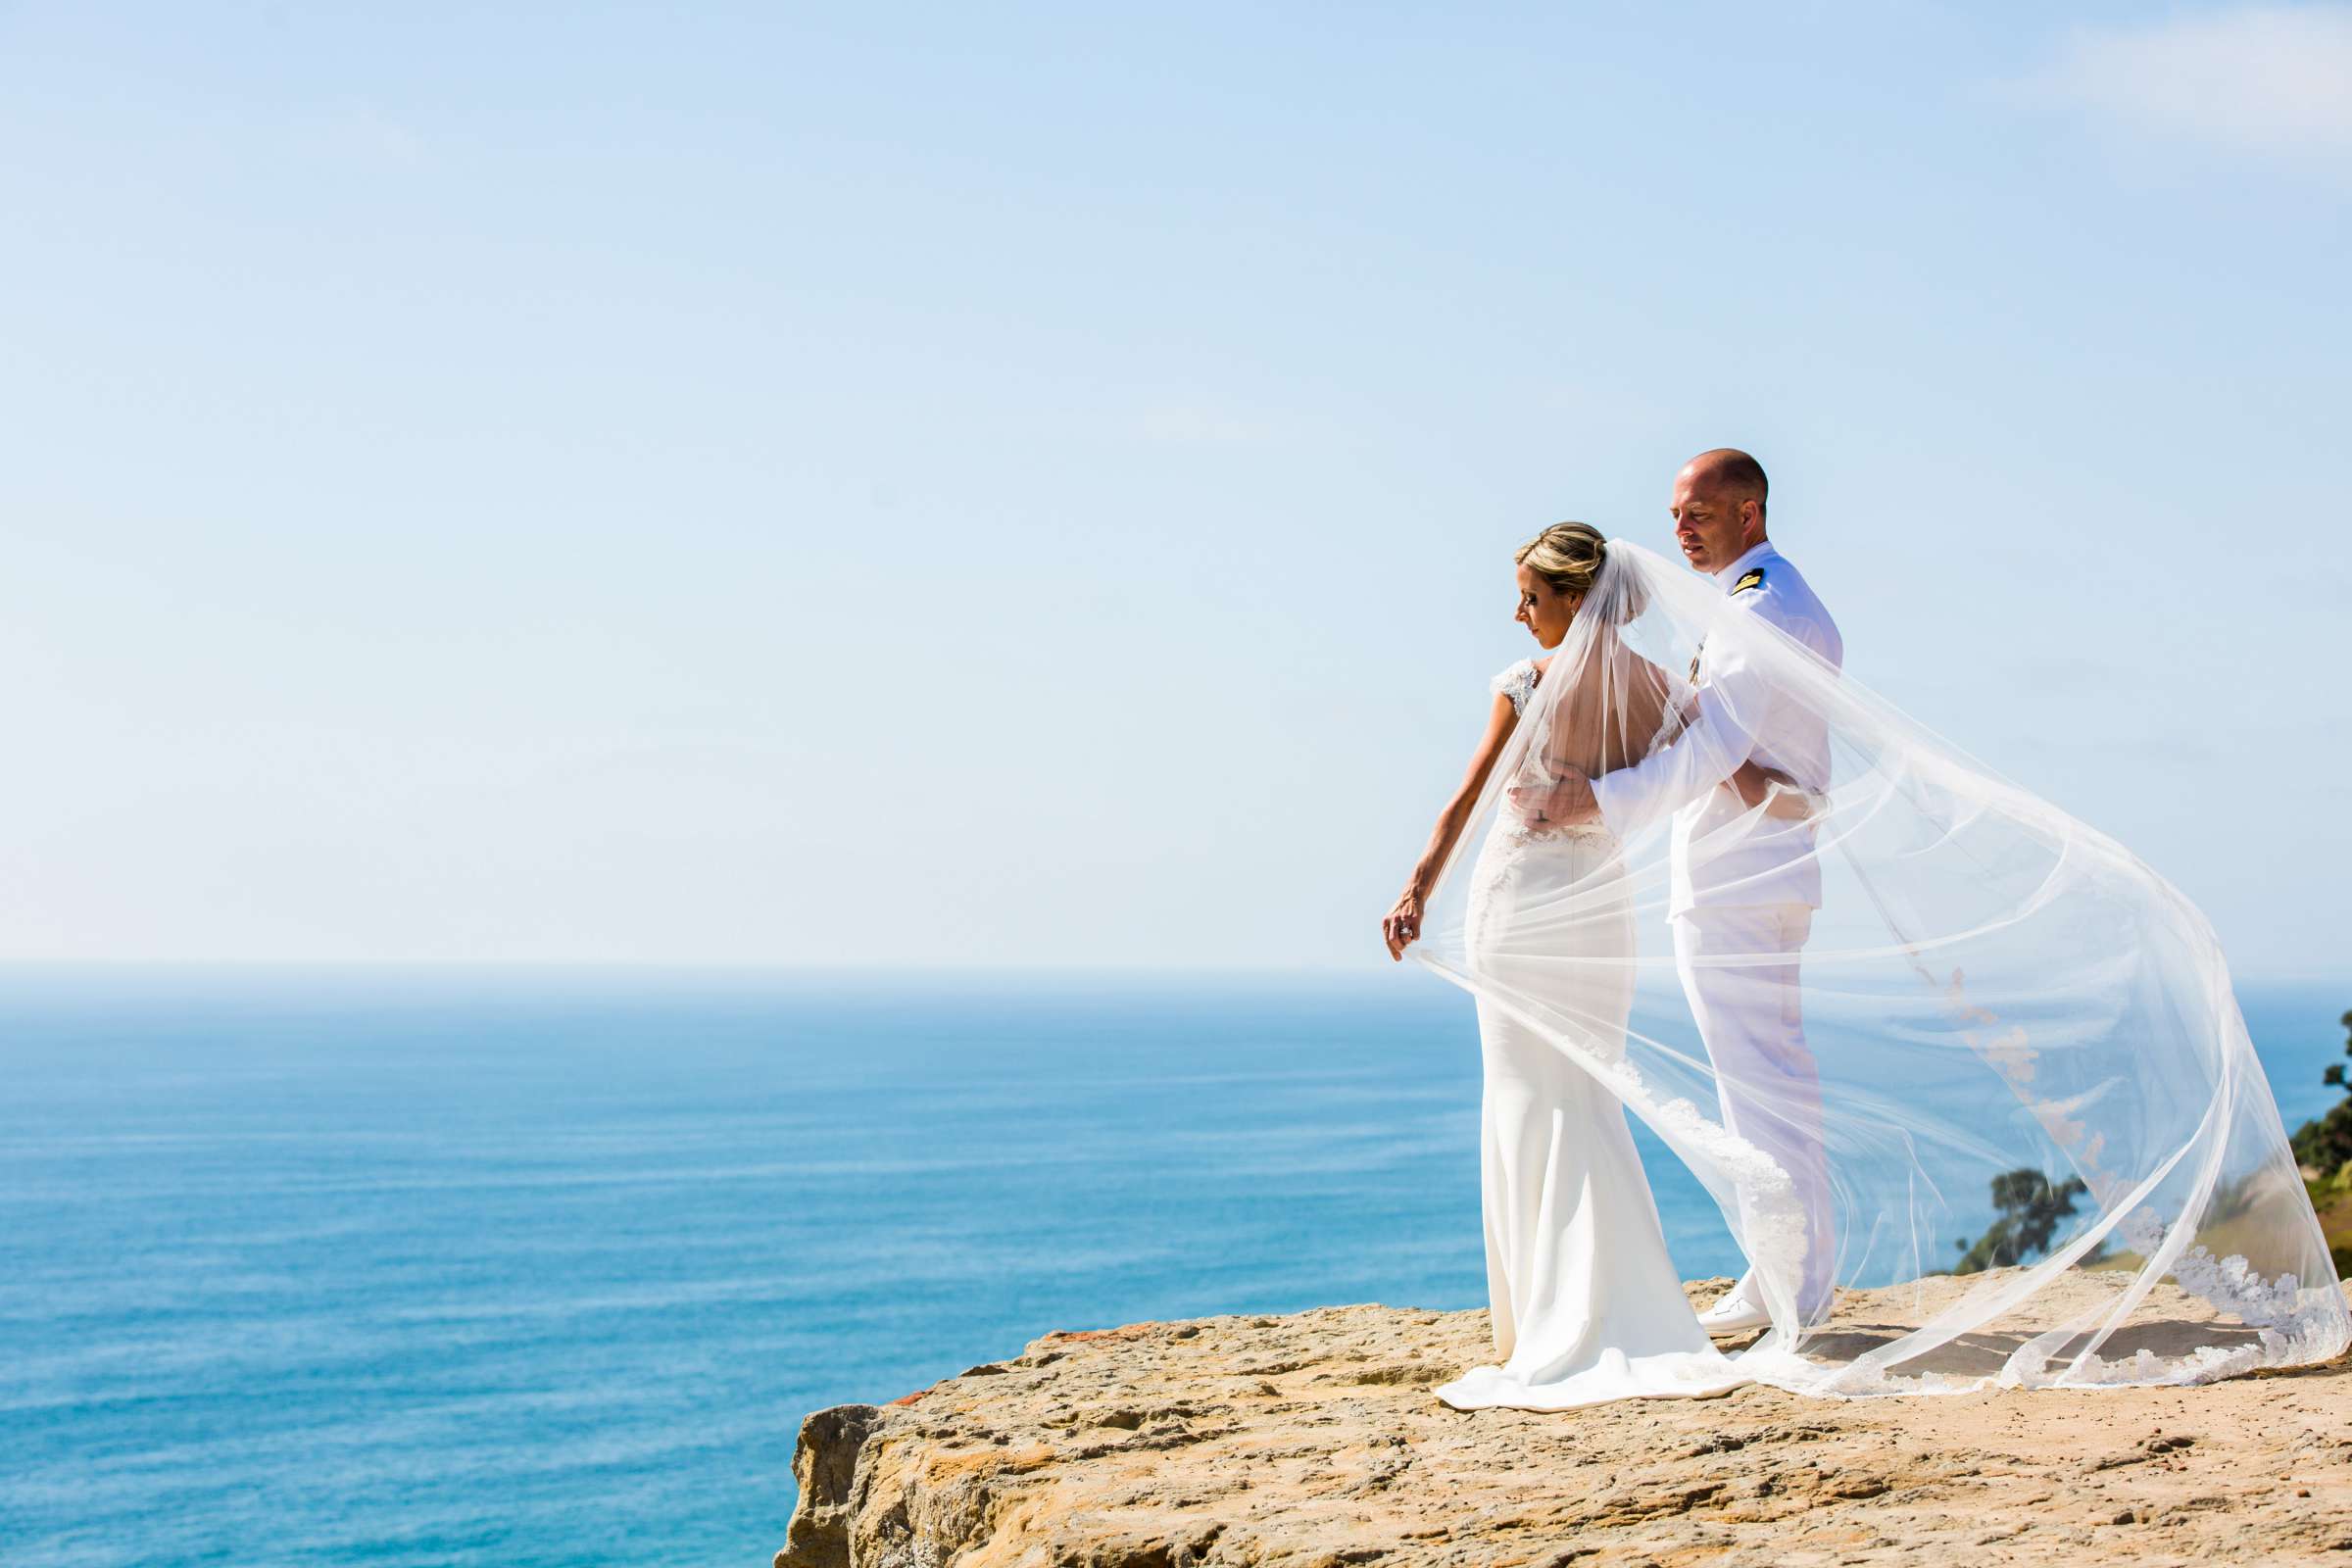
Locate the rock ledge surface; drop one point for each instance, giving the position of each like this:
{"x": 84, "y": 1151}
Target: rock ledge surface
{"x": 1311, "y": 1441}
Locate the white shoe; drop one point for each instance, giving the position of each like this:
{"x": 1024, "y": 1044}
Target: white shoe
{"x": 1731, "y": 1315}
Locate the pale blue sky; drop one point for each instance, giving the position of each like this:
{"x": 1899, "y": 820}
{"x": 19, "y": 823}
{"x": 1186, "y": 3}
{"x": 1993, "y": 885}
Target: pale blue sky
{"x": 958, "y": 484}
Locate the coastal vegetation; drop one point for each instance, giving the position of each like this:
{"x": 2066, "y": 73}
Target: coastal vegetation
{"x": 2324, "y": 1150}
{"x": 2029, "y": 1206}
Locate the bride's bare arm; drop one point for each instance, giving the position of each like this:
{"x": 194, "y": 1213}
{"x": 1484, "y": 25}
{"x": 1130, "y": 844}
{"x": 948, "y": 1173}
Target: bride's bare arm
{"x": 1403, "y": 923}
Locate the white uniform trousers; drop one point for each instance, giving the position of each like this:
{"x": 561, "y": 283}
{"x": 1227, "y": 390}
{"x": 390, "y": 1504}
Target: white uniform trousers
{"x": 1739, "y": 967}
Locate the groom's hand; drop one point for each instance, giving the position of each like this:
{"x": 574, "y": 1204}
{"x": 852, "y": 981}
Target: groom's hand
{"x": 1563, "y": 803}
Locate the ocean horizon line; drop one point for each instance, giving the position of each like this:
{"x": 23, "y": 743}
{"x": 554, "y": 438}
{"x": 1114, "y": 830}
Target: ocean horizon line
{"x": 729, "y": 969}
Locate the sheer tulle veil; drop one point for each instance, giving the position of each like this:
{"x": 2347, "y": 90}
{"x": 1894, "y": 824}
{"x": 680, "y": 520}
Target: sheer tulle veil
{"x": 2039, "y": 1113}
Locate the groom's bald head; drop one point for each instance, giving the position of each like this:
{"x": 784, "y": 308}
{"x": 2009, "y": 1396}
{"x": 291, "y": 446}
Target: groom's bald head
{"x": 1732, "y": 472}
{"x": 1718, "y": 506}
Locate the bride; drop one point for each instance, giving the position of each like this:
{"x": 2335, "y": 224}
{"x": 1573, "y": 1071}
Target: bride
{"x": 2022, "y": 1033}
{"x": 1584, "y": 1303}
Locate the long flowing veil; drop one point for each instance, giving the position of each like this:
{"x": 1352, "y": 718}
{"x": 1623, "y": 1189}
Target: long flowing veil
{"x": 2025, "y": 1093}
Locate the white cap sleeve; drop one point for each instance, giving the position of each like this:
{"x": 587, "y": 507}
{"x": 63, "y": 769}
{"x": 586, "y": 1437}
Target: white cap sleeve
{"x": 1518, "y": 683}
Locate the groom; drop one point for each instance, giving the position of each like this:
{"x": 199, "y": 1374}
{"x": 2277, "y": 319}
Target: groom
{"x": 1745, "y": 883}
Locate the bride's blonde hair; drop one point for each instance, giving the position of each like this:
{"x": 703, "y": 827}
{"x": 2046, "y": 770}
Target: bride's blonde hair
{"x": 1566, "y": 555}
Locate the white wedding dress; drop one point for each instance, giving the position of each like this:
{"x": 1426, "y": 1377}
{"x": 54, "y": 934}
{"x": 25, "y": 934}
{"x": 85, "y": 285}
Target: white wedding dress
{"x": 1584, "y": 1302}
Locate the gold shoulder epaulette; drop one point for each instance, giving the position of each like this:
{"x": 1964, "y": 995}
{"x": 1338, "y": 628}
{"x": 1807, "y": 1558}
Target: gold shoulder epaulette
{"x": 1754, "y": 579}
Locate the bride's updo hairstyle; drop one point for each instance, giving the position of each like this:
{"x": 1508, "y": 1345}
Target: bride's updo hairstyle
{"x": 1567, "y": 556}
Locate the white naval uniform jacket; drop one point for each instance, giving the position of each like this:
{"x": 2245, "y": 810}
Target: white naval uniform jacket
{"x": 1770, "y": 859}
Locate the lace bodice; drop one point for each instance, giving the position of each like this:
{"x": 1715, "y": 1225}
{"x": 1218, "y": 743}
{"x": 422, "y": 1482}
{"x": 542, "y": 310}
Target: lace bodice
{"x": 1518, "y": 683}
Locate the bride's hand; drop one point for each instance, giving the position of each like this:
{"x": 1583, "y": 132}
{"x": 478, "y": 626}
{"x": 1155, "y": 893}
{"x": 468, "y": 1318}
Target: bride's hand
{"x": 1402, "y": 925}
{"x": 1756, "y": 785}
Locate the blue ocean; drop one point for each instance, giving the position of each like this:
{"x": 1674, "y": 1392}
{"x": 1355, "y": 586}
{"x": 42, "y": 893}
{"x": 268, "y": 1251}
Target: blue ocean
{"x": 545, "y": 1268}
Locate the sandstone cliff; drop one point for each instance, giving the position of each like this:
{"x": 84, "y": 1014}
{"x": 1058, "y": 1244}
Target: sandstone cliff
{"x": 1313, "y": 1440}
